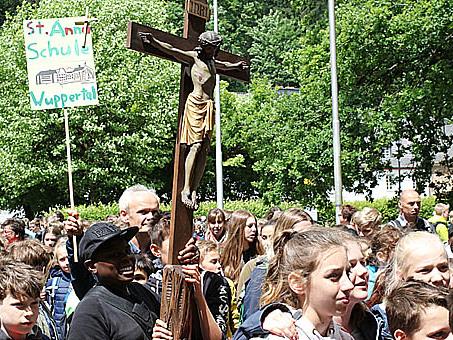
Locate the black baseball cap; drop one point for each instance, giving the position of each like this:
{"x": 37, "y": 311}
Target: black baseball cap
{"x": 99, "y": 234}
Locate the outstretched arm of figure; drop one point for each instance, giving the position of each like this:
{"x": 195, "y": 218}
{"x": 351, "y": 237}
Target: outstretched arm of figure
{"x": 149, "y": 38}
{"x": 240, "y": 65}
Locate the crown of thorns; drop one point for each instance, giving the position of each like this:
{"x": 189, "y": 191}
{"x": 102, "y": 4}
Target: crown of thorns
{"x": 209, "y": 38}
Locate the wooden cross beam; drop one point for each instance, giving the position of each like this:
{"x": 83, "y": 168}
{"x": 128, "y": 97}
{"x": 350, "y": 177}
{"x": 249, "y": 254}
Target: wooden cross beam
{"x": 194, "y": 25}
{"x": 134, "y": 42}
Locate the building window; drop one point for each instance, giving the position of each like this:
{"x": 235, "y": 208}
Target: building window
{"x": 388, "y": 181}
{"x": 388, "y": 152}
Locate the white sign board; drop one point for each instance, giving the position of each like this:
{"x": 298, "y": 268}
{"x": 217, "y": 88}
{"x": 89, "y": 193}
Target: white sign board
{"x": 60, "y": 69}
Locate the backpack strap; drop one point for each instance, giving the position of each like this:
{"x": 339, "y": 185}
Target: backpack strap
{"x": 424, "y": 226}
{"x": 53, "y": 286}
{"x": 51, "y": 289}
{"x": 397, "y": 223}
{"x": 436, "y": 224}
{"x": 139, "y": 312}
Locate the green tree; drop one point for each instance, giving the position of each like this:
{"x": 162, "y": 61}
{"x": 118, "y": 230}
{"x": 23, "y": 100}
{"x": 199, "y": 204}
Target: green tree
{"x": 7, "y": 6}
{"x": 395, "y": 78}
{"x": 396, "y": 75}
{"x": 127, "y": 139}
{"x": 274, "y": 37}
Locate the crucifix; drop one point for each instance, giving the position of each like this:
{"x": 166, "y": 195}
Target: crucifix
{"x": 200, "y": 60}
{"x": 200, "y": 57}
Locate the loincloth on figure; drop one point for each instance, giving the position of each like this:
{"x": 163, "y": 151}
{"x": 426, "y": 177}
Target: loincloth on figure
{"x": 198, "y": 120}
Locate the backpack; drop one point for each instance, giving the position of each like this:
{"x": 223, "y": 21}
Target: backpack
{"x": 58, "y": 291}
{"x": 435, "y": 224}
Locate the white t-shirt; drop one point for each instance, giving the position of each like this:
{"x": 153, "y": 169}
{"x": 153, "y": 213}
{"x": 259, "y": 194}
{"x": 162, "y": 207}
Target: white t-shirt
{"x": 306, "y": 330}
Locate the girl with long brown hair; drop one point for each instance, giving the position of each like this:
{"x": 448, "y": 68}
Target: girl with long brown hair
{"x": 252, "y": 276}
{"x": 242, "y": 244}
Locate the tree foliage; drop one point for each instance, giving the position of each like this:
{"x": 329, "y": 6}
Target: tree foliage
{"x": 395, "y": 79}
{"x": 399, "y": 58}
{"x": 7, "y": 7}
{"x": 127, "y": 139}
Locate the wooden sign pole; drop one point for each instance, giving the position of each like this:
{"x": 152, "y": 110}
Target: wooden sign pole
{"x": 71, "y": 188}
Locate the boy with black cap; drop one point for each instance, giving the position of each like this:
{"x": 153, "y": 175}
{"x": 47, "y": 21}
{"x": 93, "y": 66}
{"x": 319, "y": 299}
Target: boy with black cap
{"x": 116, "y": 307}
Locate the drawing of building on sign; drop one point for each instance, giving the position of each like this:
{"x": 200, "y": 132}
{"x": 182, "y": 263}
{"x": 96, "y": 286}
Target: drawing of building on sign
{"x": 46, "y": 77}
{"x": 80, "y": 74}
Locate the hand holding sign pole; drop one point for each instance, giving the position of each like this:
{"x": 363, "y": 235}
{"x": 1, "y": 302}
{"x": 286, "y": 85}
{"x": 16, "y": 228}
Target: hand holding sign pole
{"x": 61, "y": 74}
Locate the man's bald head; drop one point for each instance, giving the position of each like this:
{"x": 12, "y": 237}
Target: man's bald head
{"x": 410, "y": 204}
{"x": 139, "y": 205}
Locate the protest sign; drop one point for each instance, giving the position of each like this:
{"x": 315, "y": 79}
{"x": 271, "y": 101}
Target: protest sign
{"x": 60, "y": 63}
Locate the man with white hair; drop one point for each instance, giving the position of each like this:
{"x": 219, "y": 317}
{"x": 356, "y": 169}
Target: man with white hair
{"x": 139, "y": 206}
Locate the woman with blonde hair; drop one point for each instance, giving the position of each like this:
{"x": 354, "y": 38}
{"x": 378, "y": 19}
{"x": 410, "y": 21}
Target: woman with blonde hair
{"x": 366, "y": 222}
{"x": 309, "y": 275}
{"x": 418, "y": 256}
{"x": 358, "y": 320}
{"x": 293, "y": 218}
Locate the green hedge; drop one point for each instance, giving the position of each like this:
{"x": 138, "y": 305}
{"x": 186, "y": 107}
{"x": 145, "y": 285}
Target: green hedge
{"x": 388, "y": 209}
{"x": 97, "y": 212}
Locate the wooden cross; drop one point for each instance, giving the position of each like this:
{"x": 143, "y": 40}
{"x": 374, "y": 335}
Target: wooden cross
{"x": 196, "y": 14}
{"x": 176, "y": 308}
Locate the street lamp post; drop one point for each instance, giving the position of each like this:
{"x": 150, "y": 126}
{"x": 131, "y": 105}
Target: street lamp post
{"x": 335, "y": 118}
{"x": 218, "y": 134}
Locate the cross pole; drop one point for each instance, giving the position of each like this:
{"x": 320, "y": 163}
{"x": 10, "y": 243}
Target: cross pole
{"x": 195, "y": 17}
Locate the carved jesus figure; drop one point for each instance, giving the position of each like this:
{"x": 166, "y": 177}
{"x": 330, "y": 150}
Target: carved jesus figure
{"x": 198, "y": 120}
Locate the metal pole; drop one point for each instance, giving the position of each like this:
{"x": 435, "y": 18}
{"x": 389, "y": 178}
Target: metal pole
{"x": 218, "y": 133}
{"x": 398, "y": 144}
{"x": 335, "y": 118}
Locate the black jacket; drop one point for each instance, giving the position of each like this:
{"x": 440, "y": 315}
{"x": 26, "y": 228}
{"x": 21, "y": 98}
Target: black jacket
{"x": 101, "y": 316}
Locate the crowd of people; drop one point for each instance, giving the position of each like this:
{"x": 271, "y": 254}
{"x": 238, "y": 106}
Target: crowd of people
{"x": 280, "y": 276}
